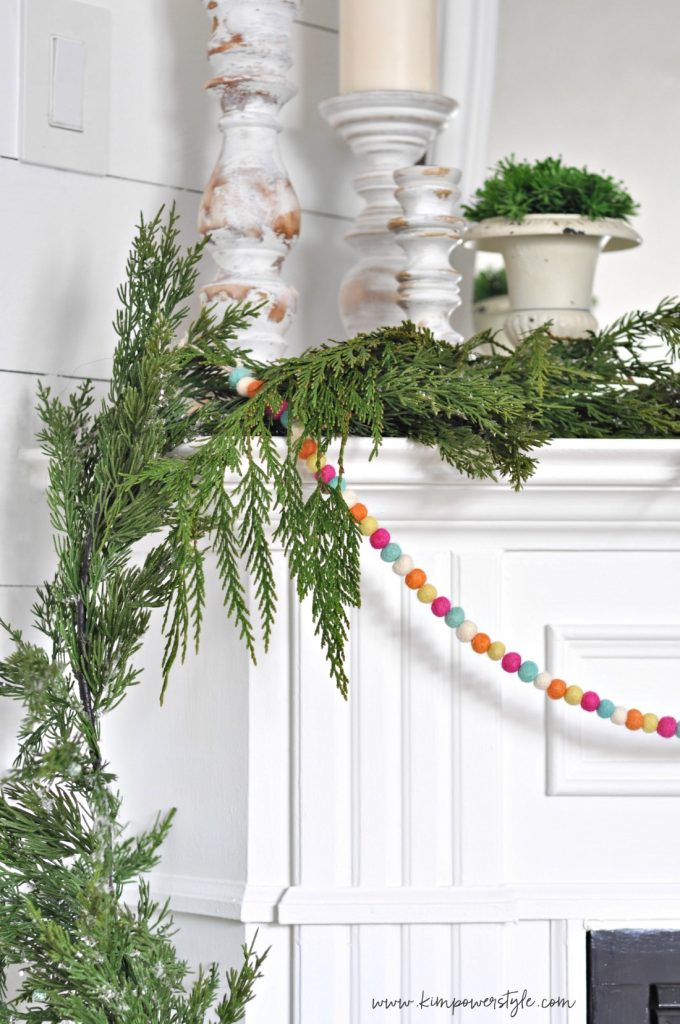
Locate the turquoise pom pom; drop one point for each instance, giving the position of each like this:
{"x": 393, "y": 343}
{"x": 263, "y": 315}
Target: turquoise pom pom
{"x": 454, "y": 617}
{"x": 336, "y": 481}
{"x": 283, "y": 418}
{"x": 390, "y": 553}
{"x": 237, "y": 373}
{"x": 677, "y": 731}
{"x": 527, "y": 671}
{"x": 606, "y": 708}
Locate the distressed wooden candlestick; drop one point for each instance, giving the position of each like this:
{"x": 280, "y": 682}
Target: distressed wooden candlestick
{"x": 428, "y": 231}
{"x": 388, "y": 129}
{"x": 249, "y": 206}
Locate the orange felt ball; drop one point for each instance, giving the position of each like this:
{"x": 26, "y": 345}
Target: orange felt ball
{"x": 415, "y": 579}
{"x": 634, "y": 719}
{"x": 557, "y": 689}
{"x": 307, "y": 448}
{"x": 254, "y": 387}
{"x": 480, "y": 643}
{"x": 359, "y": 511}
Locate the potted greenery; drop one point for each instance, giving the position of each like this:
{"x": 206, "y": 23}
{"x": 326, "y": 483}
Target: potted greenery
{"x": 490, "y": 301}
{"x": 550, "y": 222}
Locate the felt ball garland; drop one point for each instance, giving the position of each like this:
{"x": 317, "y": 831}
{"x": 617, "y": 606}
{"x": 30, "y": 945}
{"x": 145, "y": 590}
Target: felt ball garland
{"x": 454, "y": 616}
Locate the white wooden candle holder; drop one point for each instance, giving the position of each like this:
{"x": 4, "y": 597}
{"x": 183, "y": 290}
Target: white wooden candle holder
{"x": 428, "y": 231}
{"x": 249, "y": 207}
{"x": 388, "y": 129}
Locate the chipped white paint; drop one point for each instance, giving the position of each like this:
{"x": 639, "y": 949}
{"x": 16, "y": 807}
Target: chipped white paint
{"x": 388, "y": 129}
{"x": 550, "y": 262}
{"x": 428, "y": 231}
{"x": 249, "y": 206}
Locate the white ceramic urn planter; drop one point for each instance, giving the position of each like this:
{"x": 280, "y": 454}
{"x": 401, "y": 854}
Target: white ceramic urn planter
{"x": 490, "y": 315}
{"x": 550, "y": 262}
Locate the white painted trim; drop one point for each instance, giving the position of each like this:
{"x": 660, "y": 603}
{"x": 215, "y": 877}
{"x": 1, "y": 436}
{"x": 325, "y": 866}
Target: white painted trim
{"x": 647, "y": 904}
{"x": 577, "y": 975}
{"x": 618, "y": 770}
{"x": 469, "y": 31}
{"x": 211, "y": 897}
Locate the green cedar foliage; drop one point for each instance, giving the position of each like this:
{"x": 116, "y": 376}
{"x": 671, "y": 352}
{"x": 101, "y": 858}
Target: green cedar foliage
{"x": 518, "y": 188}
{"x": 151, "y": 460}
{"x": 85, "y": 956}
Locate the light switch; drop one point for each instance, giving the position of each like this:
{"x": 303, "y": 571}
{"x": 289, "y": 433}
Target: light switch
{"x": 65, "y": 76}
{"x": 68, "y": 82}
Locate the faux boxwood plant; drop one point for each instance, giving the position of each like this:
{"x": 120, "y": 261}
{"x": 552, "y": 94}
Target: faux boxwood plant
{"x": 516, "y": 189}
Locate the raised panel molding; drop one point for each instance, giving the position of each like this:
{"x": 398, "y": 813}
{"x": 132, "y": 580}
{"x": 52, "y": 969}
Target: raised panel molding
{"x": 628, "y": 663}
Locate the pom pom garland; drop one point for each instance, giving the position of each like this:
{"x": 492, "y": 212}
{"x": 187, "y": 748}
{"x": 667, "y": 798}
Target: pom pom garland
{"x": 441, "y": 606}
{"x": 667, "y": 727}
{"x": 496, "y": 650}
{"x": 590, "y": 701}
{"x": 415, "y": 579}
{"x": 466, "y": 631}
{"x": 480, "y": 643}
{"x": 454, "y": 617}
{"x": 403, "y": 565}
{"x": 380, "y": 539}
{"x": 542, "y": 681}
{"x": 390, "y": 553}
{"x": 368, "y": 525}
{"x": 606, "y": 708}
{"x": 243, "y": 387}
{"x": 511, "y": 661}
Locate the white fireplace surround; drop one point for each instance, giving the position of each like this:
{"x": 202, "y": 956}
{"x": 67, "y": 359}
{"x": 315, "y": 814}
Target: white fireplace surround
{"x": 415, "y": 836}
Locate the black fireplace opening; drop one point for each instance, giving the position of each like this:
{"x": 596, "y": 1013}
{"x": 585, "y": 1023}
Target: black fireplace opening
{"x": 634, "y": 976}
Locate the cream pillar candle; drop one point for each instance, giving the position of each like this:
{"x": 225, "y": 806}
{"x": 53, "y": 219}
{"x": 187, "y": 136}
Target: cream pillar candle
{"x": 389, "y": 44}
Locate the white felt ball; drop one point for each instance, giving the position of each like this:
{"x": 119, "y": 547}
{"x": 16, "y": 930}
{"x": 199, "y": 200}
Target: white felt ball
{"x": 403, "y": 565}
{"x": 350, "y": 497}
{"x": 295, "y": 431}
{"x": 542, "y": 681}
{"x": 466, "y": 631}
{"x": 620, "y": 715}
{"x": 243, "y": 385}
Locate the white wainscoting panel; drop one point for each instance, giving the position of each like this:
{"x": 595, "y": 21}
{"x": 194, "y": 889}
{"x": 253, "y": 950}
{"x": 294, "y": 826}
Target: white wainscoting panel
{"x": 640, "y": 664}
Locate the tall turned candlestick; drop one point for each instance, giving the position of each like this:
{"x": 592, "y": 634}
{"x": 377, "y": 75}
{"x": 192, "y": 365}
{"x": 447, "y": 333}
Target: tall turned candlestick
{"x": 428, "y": 231}
{"x": 388, "y": 129}
{"x": 249, "y": 206}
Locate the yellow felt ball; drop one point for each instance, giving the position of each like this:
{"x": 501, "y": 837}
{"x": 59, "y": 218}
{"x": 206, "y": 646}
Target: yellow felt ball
{"x": 649, "y": 722}
{"x": 496, "y": 650}
{"x": 368, "y": 525}
{"x": 427, "y": 593}
{"x": 573, "y": 695}
{"x": 315, "y": 462}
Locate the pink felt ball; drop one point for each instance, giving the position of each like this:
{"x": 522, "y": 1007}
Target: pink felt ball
{"x": 511, "y": 661}
{"x": 440, "y": 606}
{"x": 327, "y": 473}
{"x": 380, "y": 538}
{"x": 667, "y": 726}
{"x": 590, "y": 701}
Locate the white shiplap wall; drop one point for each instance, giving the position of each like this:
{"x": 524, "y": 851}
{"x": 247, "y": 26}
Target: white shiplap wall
{"x": 63, "y": 242}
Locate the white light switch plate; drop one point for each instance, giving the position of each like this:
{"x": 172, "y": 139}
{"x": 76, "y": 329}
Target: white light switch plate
{"x": 65, "y": 77}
